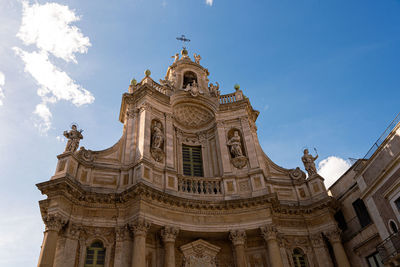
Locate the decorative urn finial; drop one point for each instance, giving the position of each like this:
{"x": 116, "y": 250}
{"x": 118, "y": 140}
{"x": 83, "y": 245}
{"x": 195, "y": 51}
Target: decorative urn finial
{"x": 133, "y": 82}
{"x": 147, "y": 73}
{"x": 237, "y": 87}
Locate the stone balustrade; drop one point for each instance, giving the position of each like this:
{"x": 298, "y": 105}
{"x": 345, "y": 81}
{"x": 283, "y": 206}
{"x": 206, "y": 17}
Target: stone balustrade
{"x": 229, "y": 98}
{"x": 200, "y": 186}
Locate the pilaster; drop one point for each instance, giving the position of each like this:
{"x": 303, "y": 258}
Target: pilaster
{"x": 338, "y": 250}
{"x": 169, "y": 234}
{"x": 270, "y": 234}
{"x": 224, "y": 153}
{"x": 238, "y": 238}
{"x": 321, "y": 253}
{"x": 53, "y": 223}
{"x": 139, "y": 228}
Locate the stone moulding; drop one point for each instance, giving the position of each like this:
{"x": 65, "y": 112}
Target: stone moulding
{"x": 73, "y": 190}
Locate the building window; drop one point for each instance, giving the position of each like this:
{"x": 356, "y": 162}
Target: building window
{"x": 340, "y": 220}
{"x": 192, "y": 160}
{"x": 393, "y": 227}
{"x": 95, "y": 255}
{"x": 375, "y": 260}
{"x": 397, "y": 202}
{"x": 299, "y": 259}
{"x": 362, "y": 212}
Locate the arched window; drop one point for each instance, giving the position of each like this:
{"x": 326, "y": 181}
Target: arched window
{"x": 188, "y": 78}
{"x": 299, "y": 258}
{"x": 95, "y": 255}
{"x": 393, "y": 227}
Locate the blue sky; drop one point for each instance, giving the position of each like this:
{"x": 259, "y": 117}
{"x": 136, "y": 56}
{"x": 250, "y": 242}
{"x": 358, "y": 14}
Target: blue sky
{"x": 323, "y": 74}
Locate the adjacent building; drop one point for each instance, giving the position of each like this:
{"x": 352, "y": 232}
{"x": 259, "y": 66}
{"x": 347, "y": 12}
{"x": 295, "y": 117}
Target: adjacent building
{"x": 369, "y": 195}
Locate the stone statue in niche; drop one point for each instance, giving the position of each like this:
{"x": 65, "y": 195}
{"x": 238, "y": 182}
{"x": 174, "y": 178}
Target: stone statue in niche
{"x": 74, "y": 136}
{"x": 309, "y": 164}
{"x": 197, "y": 58}
{"x": 194, "y": 89}
{"x": 214, "y": 89}
{"x": 235, "y": 144}
{"x": 157, "y": 141}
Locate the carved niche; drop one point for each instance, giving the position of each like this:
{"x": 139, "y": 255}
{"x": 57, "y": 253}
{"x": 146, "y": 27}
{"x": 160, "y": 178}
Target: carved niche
{"x": 236, "y": 148}
{"x": 199, "y": 254}
{"x": 157, "y": 140}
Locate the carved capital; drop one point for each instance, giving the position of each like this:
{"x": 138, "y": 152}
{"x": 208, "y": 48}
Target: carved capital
{"x": 144, "y": 107}
{"x": 169, "y": 234}
{"x": 317, "y": 241}
{"x": 334, "y": 236}
{"x": 131, "y": 113}
{"x": 54, "y": 222}
{"x": 74, "y": 231}
{"x": 121, "y": 233}
{"x": 238, "y": 237}
{"x": 269, "y": 232}
{"x": 140, "y": 227}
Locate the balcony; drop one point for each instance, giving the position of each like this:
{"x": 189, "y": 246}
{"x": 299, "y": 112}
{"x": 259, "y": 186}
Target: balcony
{"x": 389, "y": 250}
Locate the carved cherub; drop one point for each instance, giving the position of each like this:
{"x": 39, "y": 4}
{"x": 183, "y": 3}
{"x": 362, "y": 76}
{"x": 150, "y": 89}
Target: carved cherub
{"x": 176, "y": 57}
{"x": 73, "y": 136}
{"x": 214, "y": 89}
{"x": 197, "y": 58}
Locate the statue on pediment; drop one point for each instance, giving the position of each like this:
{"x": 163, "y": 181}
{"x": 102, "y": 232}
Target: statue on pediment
{"x": 197, "y": 58}
{"x": 214, "y": 89}
{"x": 74, "y": 136}
{"x": 309, "y": 163}
{"x": 176, "y": 57}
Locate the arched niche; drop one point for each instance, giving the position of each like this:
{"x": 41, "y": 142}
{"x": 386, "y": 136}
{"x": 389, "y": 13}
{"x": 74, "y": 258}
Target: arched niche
{"x": 188, "y": 78}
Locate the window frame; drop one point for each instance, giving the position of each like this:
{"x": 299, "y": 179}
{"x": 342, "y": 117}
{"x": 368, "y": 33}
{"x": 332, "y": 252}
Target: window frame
{"x": 362, "y": 212}
{"x": 195, "y": 162}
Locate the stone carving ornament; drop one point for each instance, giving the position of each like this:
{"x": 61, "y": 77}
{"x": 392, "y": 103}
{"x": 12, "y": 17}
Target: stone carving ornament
{"x": 74, "y": 136}
{"x": 214, "y": 89}
{"x": 309, "y": 164}
{"x": 235, "y": 145}
{"x": 199, "y": 254}
{"x": 192, "y": 115}
{"x": 157, "y": 141}
{"x": 194, "y": 89}
{"x": 197, "y": 58}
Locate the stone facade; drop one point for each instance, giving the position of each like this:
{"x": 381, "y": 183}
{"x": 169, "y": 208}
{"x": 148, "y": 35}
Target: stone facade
{"x": 369, "y": 196}
{"x": 186, "y": 185}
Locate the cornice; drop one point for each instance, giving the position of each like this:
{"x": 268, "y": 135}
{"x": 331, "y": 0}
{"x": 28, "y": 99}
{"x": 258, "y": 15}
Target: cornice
{"x": 85, "y": 196}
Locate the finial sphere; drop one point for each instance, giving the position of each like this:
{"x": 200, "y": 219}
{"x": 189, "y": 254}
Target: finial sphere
{"x": 237, "y": 86}
{"x": 133, "y": 82}
{"x": 147, "y": 73}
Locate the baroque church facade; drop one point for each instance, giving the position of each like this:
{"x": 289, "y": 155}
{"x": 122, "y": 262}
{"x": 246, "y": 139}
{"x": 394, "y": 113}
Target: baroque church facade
{"x": 187, "y": 184}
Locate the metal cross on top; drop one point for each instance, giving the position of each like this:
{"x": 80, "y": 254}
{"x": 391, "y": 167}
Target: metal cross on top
{"x": 183, "y": 39}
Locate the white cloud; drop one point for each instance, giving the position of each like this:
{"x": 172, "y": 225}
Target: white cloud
{"x": 2, "y": 82}
{"x": 209, "y": 2}
{"x": 332, "y": 168}
{"x": 55, "y": 84}
{"x": 48, "y": 27}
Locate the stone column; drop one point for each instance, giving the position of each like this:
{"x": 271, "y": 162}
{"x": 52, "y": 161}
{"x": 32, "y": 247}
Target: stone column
{"x": 321, "y": 253}
{"x": 121, "y": 242}
{"x": 169, "y": 235}
{"x": 139, "y": 229}
{"x": 270, "y": 233}
{"x": 54, "y": 223}
{"x": 238, "y": 238}
{"x": 68, "y": 252}
{"x": 338, "y": 250}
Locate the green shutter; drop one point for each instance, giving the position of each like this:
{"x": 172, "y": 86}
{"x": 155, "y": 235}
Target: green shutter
{"x": 192, "y": 161}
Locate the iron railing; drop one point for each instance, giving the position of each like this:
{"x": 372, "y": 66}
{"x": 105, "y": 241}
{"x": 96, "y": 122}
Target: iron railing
{"x": 389, "y": 247}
